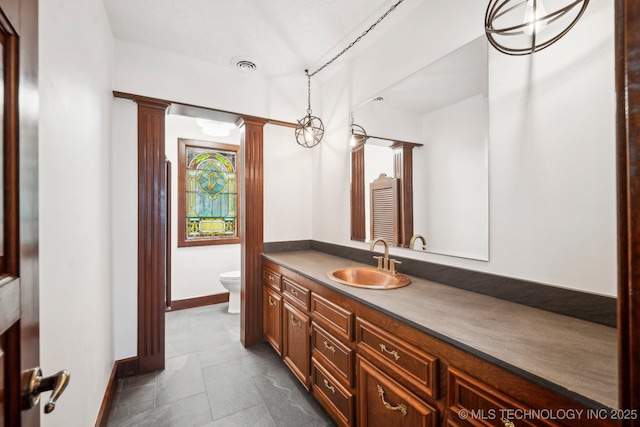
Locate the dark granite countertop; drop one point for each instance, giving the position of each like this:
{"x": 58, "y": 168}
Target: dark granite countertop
{"x": 573, "y": 357}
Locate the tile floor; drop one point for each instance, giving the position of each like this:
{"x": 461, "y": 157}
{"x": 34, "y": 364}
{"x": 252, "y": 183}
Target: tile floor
{"x": 211, "y": 380}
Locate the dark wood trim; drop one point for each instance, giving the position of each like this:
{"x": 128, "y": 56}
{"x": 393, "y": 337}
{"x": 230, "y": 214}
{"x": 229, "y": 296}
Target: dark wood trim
{"x": 628, "y": 175}
{"x": 252, "y": 231}
{"x": 167, "y": 256}
{"x": 12, "y": 389}
{"x": 11, "y": 153}
{"x": 403, "y": 170}
{"x": 358, "y": 223}
{"x": 151, "y": 234}
{"x": 123, "y": 368}
{"x": 107, "y": 400}
{"x": 140, "y": 98}
{"x": 184, "y": 304}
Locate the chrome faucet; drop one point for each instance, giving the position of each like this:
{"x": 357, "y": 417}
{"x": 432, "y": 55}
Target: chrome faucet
{"x": 413, "y": 241}
{"x": 384, "y": 263}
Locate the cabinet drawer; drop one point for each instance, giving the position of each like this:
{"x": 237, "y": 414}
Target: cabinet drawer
{"x": 482, "y": 405}
{"x": 415, "y": 366}
{"x": 333, "y": 316}
{"x": 332, "y": 353}
{"x": 296, "y": 293}
{"x": 383, "y": 402}
{"x": 333, "y": 397}
{"x": 272, "y": 279}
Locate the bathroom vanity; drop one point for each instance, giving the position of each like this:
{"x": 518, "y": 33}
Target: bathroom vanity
{"x": 433, "y": 355}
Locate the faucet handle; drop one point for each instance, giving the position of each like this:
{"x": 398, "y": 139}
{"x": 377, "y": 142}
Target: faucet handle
{"x": 379, "y": 258}
{"x": 392, "y": 265}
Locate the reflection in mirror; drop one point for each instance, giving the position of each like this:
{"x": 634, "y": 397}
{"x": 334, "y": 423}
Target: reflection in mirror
{"x": 444, "y": 109}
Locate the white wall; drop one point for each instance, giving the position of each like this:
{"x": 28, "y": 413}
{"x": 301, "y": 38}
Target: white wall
{"x": 195, "y": 269}
{"x": 552, "y": 144}
{"x": 76, "y": 318}
{"x": 124, "y": 227}
{"x": 287, "y": 186}
{"x": 451, "y": 198}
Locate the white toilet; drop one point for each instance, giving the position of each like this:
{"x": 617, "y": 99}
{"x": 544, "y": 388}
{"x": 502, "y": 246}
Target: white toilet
{"x": 231, "y": 281}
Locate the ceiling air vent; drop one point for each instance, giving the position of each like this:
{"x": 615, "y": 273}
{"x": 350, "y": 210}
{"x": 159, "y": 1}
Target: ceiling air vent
{"x": 244, "y": 64}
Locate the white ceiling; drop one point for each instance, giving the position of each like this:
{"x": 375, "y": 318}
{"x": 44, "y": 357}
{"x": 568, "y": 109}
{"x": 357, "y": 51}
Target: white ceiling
{"x": 280, "y": 36}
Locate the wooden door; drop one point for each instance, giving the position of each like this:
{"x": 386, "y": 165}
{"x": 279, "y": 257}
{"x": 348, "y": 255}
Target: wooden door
{"x": 19, "y": 339}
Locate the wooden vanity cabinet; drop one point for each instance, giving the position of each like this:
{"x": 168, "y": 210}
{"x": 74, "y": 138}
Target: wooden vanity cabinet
{"x": 367, "y": 368}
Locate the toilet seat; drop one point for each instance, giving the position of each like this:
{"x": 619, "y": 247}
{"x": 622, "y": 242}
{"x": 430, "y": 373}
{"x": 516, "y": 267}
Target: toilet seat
{"x": 231, "y": 275}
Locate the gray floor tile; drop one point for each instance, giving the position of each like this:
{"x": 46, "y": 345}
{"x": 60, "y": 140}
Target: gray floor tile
{"x": 182, "y": 377}
{"x": 192, "y": 411}
{"x": 230, "y": 389}
{"x": 257, "y": 416}
{"x": 211, "y": 380}
{"x": 287, "y": 401}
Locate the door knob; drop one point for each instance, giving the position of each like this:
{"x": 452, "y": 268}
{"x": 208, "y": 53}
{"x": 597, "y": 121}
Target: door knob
{"x": 34, "y": 385}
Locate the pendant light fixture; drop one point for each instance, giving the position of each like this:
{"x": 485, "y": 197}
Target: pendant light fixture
{"x": 522, "y": 27}
{"x": 358, "y": 137}
{"x": 310, "y": 130}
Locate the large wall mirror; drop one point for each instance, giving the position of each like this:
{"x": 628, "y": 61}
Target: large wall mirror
{"x": 441, "y": 113}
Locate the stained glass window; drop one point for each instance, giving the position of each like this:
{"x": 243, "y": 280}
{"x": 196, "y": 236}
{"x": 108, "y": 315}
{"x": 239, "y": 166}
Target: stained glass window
{"x": 210, "y": 188}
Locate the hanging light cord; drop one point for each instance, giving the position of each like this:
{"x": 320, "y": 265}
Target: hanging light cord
{"x": 308, "y": 92}
{"x": 352, "y": 43}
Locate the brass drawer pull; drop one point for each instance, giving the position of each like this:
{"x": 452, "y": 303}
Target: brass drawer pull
{"x": 401, "y": 407}
{"x": 294, "y": 292}
{"x": 296, "y": 322}
{"x": 507, "y": 423}
{"x": 272, "y": 302}
{"x": 329, "y": 386}
{"x": 393, "y": 353}
{"x": 273, "y": 279}
{"x": 330, "y": 347}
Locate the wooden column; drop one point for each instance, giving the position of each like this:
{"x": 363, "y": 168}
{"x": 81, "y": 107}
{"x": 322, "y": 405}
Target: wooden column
{"x": 628, "y": 174}
{"x": 403, "y": 170}
{"x": 152, "y": 225}
{"x": 252, "y": 231}
{"x": 358, "y": 226}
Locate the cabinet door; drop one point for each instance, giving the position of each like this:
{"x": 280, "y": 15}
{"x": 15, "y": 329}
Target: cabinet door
{"x": 272, "y": 318}
{"x": 295, "y": 342}
{"x": 382, "y": 402}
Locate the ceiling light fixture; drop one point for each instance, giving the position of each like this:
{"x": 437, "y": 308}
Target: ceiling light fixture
{"x": 310, "y": 129}
{"x": 509, "y": 33}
